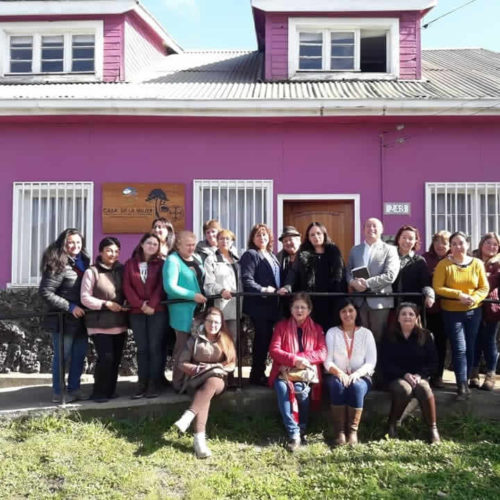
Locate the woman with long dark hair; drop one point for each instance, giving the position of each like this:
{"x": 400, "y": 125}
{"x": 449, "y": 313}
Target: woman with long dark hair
{"x": 63, "y": 265}
{"x": 408, "y": 358}
{"x": 208, "y": 357}
{"x": 102, "y": 292}
{"x": 461, "y": 280}
{"x": 260, "y": 273}
{"x": 143, "y": 289}
{"x": 486, "y": 344}
{"x": 350, "y": 363}
{"x": 319, "y": 267}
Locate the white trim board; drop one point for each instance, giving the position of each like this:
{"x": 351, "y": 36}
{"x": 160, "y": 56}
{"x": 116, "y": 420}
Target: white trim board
{"x": 342, "y": 5}
{"x": 356, "y": 197}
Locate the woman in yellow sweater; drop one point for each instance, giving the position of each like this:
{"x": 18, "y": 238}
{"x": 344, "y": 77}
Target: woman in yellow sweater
{"x": 463, "y": 279}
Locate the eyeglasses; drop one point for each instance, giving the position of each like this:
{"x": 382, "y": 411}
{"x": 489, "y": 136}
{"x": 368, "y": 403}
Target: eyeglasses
{"x": 300, "y": 308}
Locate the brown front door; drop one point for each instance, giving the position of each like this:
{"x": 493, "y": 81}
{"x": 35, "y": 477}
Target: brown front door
{"x": 336, "y": 215}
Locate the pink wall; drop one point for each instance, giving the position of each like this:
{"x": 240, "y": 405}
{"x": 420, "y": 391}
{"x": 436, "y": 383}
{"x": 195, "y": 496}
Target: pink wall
{"x": 320, "y": 156}
{"x": 276, "y": 41}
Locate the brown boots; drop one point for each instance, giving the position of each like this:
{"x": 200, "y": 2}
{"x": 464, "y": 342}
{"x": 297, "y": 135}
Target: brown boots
{"x": 398, "y": 406}
{"x": 489, "y": 382}
{"x": 339, "y": 417}
{"x": 353, "y": 419}
{"x": 428, "y": 408}
{"x": 345, "y": 421}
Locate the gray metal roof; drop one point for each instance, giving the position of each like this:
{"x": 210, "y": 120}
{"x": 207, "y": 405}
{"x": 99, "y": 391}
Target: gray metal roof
{"x": 448, "y": 74}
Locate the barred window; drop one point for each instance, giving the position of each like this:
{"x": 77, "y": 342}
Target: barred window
{"x": 237, "y": 204}
{"x": 41, "y": 211}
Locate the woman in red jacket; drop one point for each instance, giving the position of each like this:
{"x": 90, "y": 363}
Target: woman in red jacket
{"x": 297, "y": 342}
{"x": 143, "y": 288}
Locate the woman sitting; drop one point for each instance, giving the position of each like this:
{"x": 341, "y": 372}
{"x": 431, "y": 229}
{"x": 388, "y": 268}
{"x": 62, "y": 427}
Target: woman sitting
{"x": 350, "y": 362}
{"x": 297, "y": 342}
{"x": 102, "y": 291}
{"x": 206, "y": 360}
{"x": 408, "y": 357}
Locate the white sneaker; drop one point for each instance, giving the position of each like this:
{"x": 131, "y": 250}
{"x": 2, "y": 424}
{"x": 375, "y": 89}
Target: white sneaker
{"x": 185, "y": 421}
{"x": 200, "y": 446}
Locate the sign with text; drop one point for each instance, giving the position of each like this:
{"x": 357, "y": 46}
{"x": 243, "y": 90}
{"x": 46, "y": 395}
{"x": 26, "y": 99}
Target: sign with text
{"x": 131, "y": 208}
{"x": 397, "y": 208}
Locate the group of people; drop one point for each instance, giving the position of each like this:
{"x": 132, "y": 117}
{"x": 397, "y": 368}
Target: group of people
{"x": 309, "y": 336}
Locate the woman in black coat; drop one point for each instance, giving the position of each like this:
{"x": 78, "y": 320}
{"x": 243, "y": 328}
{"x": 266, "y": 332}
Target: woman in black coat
{"x": 63, "y": 265}
{"x": 408, "y": 359}
{"x": 318, "y": 268}
{"x": 260, "y": 272}
{"x": 414, "y": 275}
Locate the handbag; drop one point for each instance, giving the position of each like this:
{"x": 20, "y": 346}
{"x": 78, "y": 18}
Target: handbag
{"x": 308, "y": 375}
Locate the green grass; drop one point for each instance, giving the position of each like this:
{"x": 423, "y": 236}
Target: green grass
{"x": 63, "y": 457}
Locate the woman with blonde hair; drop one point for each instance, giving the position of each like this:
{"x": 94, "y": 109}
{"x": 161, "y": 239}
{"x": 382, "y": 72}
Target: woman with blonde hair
{"x": 206, "y": 360}
{"x": 486, "y": 343}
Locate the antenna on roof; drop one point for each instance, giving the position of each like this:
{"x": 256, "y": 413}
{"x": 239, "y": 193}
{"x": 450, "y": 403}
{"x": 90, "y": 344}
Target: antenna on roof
{"x": 448, "y": 13}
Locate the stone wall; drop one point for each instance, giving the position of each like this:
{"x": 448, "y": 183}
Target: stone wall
{"x": 27, "y": 348}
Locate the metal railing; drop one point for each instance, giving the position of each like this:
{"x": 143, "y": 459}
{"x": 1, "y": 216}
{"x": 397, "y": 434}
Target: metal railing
{"x": 238, "y": 296}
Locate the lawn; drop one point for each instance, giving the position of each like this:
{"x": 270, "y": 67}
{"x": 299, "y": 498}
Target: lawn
{"x": 65, "y": 457}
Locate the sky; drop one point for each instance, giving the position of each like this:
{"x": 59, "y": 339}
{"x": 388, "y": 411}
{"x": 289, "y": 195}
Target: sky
{"x": 228, "y": 24}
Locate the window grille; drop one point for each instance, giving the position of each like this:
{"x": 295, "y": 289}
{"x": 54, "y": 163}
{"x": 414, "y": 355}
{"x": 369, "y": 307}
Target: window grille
{"x": 237, "y": 204}
{"x": 41, "y": 210}
{"x": 473, "y": 208}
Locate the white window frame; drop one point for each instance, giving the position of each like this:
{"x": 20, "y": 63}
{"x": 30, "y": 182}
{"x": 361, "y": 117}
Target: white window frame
{"x": 227, "y": 184}
{"x": 54, "y": 28}
{"x": 22, "y": 243}
{"x": 475, "y": 190}
{"x": 296, "y": 25}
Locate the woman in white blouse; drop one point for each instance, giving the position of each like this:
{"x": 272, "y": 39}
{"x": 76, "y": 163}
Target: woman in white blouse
{"x": 350, "y": 362}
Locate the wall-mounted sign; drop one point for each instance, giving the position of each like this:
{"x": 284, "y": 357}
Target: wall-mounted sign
{"x": 131, "y": 208}
{"x": 397, "y": 208}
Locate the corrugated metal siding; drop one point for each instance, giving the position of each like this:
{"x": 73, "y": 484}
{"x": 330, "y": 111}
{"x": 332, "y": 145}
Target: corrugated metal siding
{"x": 462, "y": 74}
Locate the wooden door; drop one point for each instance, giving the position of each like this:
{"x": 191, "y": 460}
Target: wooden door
{"x": 336, "y": 215}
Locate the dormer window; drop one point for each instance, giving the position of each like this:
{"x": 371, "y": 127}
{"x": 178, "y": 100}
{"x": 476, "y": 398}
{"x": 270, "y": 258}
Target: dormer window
{"x": 343, "y": 48}
{"x": 53, "y": 50}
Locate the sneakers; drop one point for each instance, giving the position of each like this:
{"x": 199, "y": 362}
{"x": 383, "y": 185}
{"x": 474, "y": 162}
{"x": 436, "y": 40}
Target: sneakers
{"x": 293, "y": 443}
{"x": 200, "y": 446}
{"x": 184, "y": 422}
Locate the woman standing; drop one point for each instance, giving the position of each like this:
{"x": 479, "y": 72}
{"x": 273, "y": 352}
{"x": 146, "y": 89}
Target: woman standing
{"x": 221, "y": 277}
{"x": 260, "y": 273}
{"x": 207, "y": 358}
{"x": 462, "y": 278}
{"x": 208, "y": 246}
{"x": 63, "y": 265}
{"x": 487, "y": 336}
{"x": 414, "y": 275}
{"x": 142, "y": 285}
{"x": 183, "y": 279}
{"x": 318, "y": 268}
{"x": 438, "y": 250}
{"x": 166, "y": 234}
{"x": 102, "y": 291}
{"x": 408, "y": 358}
{"x": 297, "y": 342}
{"x": 350, "y": 363}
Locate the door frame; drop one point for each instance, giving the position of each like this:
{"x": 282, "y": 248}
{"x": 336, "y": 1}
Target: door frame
{"x": 281, "y": 198}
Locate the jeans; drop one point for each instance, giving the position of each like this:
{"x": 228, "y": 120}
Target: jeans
{"x": 461, "y": 328}
{"x": 487, "y": 344}
{"x": 109, "y": 348}
{"x": 302, "y": 392}
{"x": 352, "y": 396}
{"x": 75, "y": 349}
{"x": 148, "y": 335}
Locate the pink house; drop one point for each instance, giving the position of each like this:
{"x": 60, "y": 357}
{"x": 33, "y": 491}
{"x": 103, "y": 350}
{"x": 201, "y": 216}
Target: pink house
{"x": 339, "y": 115}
